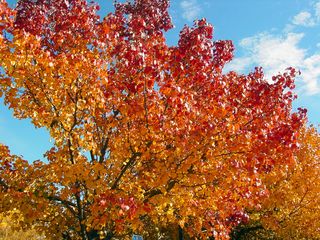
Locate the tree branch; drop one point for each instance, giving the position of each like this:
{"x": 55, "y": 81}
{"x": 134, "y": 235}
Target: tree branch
{"x": 66, "y": 203}
{"x": 104, "y": 150}
{"x": 80, "y": 214}
{"x": 125, "y": 168}
{"x": 4, "y": 184}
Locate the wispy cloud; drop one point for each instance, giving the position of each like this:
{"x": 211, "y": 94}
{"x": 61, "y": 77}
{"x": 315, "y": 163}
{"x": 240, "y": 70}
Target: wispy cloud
{"x": 317, "y": 10}
{"x": 308, "y": 18}
{"x": 275, "y": 53}
{"x": 190, "y": 9}
{"x": 304, "y": 19}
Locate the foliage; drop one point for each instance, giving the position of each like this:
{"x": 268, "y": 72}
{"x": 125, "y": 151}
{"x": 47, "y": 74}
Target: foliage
{"x": 293, "y": 208}
{"x": 10, "y": 230}
{"x": 142, "y": 131}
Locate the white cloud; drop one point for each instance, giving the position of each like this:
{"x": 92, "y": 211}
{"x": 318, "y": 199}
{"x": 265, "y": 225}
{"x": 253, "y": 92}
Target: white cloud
{"x": 308, "y": 18}
{"x": 276, "y": 53}
{"x": 304, "y": 19}
{"x": 288, "y": 28}
{"x": 190, "y": 9}
{"x": 317, "y": 10}
{"x": 238, "y": 64}
{"x": 311, "y": 74}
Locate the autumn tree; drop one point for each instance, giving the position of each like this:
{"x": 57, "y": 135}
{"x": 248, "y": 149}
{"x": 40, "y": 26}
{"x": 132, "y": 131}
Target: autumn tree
{"x": 293, "y": 208}
{"x": 10, "y": 228}
{"x": 143, "y": 132}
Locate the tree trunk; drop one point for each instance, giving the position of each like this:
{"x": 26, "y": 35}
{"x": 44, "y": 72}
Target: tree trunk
{"x": 180, "y": 233}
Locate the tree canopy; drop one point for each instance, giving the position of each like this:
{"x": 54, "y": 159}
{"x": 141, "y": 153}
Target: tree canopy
{"x": 144, "y": 133}
{"x": 293, "y": 207}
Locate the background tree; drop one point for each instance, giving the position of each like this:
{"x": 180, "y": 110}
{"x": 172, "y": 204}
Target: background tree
{"x": 293, "y": 207}
{"x": 10, "y": 228}
{"x": 142, "y": 131}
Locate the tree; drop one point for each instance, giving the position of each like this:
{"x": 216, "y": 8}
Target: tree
{"x": 293, "y": 207}
{"x": 10, "y": 221}
{"x": 143, "y": 132}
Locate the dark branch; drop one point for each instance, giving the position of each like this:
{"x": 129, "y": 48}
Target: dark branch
{"x": 125, "y": 168}
{"x": 66, "y": 203}
{"x": 3, "y": 184}
{"x": 103, "y": 150}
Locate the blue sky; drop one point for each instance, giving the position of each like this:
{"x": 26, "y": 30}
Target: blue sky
{"x": 274, "y": 34}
